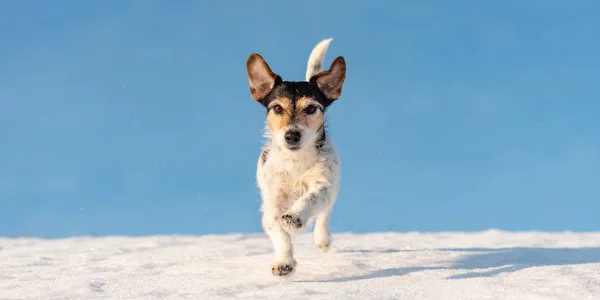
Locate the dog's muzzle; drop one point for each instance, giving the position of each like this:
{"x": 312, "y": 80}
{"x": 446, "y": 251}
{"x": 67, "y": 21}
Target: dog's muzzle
{"x": 292, "y": 139}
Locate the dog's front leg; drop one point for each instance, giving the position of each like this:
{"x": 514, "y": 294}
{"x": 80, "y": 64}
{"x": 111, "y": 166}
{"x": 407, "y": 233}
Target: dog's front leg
{"x": 310, "y": 204}
{"x": 282, "y": 243}
{"x": 284, "y": 255}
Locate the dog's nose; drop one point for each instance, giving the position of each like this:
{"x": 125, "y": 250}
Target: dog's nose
{"x": 292, "y": 137}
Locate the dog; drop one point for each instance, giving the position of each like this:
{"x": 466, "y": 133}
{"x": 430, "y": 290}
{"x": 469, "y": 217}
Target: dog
{"x": 298, "y": 169}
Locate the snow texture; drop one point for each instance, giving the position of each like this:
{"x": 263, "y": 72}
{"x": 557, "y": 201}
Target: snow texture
{"x": 482, "y": 265}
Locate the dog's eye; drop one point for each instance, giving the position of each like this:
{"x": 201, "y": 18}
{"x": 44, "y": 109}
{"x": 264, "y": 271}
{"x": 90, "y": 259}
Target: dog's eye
{"x": 278, "y": 109}
{"x": 311, "y": 109}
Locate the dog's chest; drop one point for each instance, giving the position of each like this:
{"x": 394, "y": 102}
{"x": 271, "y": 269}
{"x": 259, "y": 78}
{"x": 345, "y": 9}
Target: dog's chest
{"x": 290, "y": 175}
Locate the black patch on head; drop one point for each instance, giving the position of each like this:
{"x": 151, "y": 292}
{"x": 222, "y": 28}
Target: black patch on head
{"x": 294, "y": 90}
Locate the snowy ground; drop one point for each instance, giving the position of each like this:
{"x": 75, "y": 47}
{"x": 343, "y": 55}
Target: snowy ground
{"x": 483, "y": 265}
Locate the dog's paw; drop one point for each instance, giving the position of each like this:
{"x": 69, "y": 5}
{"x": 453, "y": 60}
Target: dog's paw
{"x": 283, "y": 269}
{"x": 324, "y": 247}
{"x": 292, "y": 222}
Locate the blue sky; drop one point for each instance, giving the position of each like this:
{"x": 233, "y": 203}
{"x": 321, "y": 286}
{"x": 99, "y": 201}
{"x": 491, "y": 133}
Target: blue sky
{"x": 135, "y": 118}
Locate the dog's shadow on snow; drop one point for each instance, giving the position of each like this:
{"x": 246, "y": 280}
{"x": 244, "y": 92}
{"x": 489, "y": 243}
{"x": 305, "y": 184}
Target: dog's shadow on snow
{"x": 500, "y": 260}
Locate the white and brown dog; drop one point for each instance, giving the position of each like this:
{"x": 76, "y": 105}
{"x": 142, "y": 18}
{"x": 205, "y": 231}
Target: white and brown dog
{"x": 298, "y": 170}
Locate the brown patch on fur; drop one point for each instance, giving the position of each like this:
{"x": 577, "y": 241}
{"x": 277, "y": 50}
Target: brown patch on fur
{"x": 302, "y": 103}
{"x": 314, "y": 121}
{"x": 276, "y": 121}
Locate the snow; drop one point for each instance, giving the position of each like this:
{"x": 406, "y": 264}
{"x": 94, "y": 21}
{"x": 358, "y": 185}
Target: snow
{"x": 449, "y": 265}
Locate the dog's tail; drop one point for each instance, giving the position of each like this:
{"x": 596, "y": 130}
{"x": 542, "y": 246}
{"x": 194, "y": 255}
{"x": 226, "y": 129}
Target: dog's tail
{"x": 316, "y": 58}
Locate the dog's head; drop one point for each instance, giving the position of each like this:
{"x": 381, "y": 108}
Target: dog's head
{"x": 295, "y": 109}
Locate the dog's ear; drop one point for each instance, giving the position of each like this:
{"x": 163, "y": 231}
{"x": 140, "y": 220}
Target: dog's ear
{"x": 330, "y": 82}
{"x": 261, "y": 78}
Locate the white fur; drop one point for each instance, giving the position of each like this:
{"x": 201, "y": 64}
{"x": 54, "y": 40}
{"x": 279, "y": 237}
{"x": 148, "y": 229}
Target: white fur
{"x": 316, "y": 58}
{"x": 302, "y": 184}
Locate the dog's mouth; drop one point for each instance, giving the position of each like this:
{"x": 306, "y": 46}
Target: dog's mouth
{"x": 293, "y": 147}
